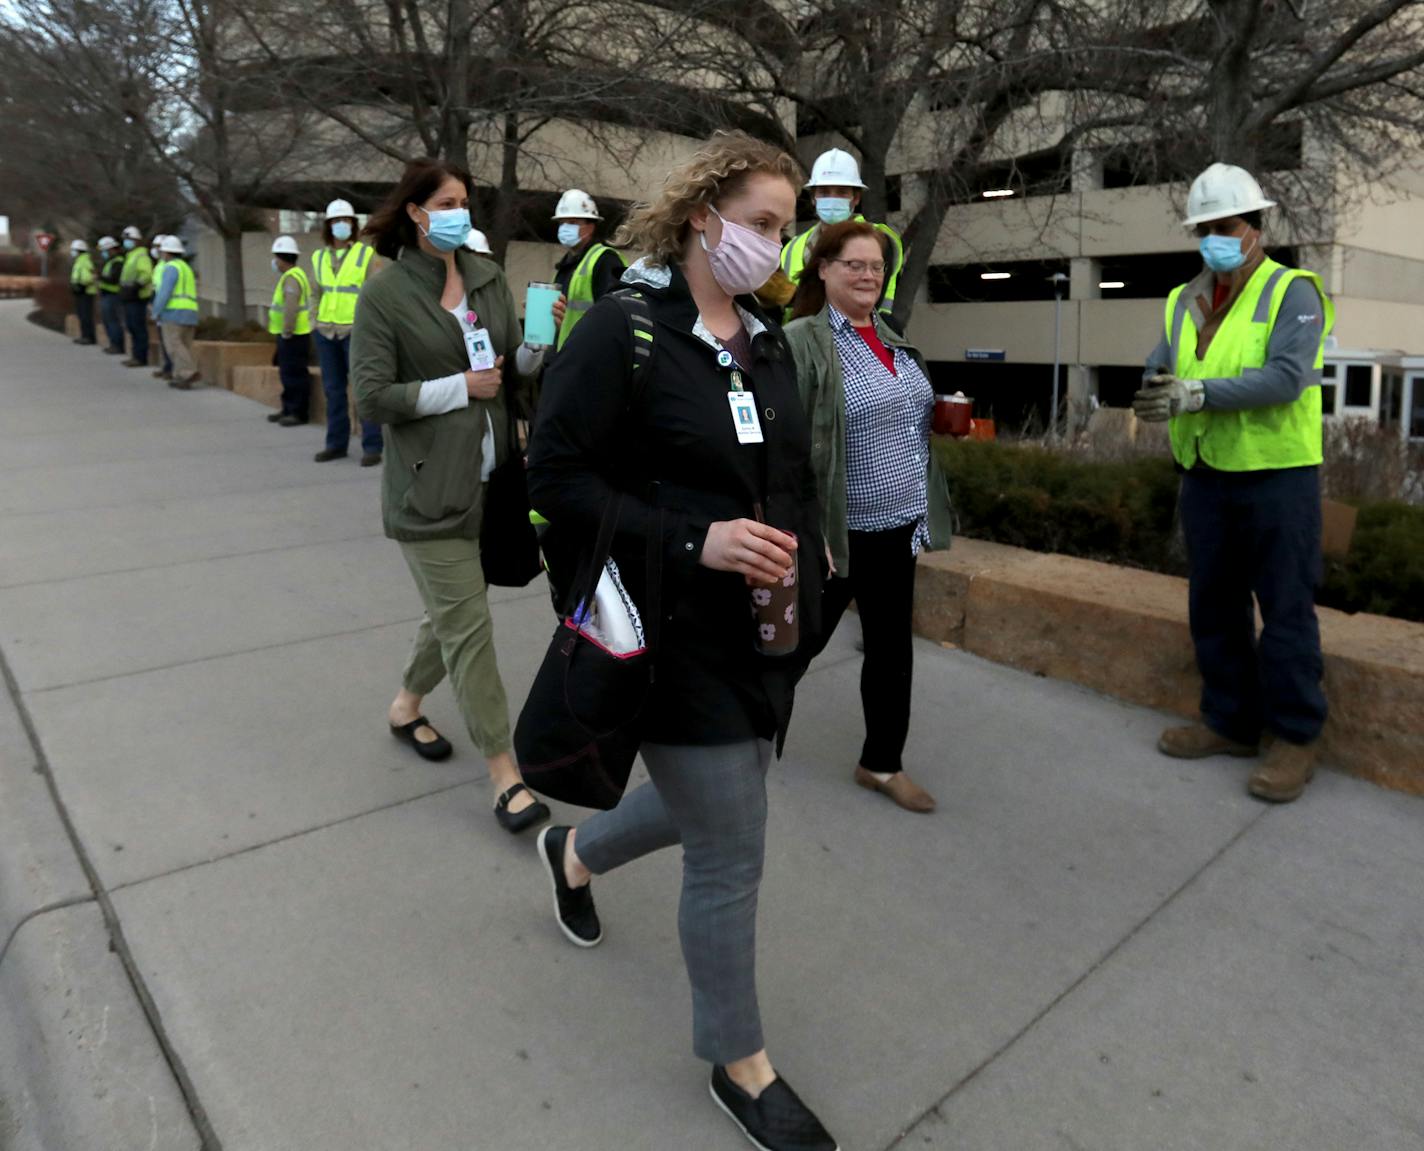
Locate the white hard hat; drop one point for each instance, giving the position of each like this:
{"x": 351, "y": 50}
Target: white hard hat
{"x": 132, "y": 233}
{"x": 576, "y": 205}
{"x": 285, "y": 246}
{"x": 835, "y": 169}
{"x": 340, "y": 210}
{"x": 158, "y": 240}
{"x": 108, "y": 242}
{"x": 173, "y": 245}
{"x": 477, "y": 241}
{"x": 78, "y": 246}
{"x": 1223, "y": 190}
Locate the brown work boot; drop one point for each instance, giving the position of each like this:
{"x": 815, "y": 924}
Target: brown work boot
{"x": 1282, "y": 776}
{"x": 1197, "y": 741}
{"x": 899, "y": 787}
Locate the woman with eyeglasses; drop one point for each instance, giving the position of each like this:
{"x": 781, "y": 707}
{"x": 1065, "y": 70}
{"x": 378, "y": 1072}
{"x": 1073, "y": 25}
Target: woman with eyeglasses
{"x": 868, "y": 397}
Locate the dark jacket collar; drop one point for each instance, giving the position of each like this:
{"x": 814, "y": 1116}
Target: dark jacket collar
{"x": 668, "y": 285}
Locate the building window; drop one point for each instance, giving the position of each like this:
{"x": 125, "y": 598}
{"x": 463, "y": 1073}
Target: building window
{"x": 1359, "y": 386}
{"x": 1391, "y": 399}
{"x": 1328, "y": 392}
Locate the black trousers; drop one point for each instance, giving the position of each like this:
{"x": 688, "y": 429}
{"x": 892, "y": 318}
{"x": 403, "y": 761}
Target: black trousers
{"x": 84, "y": 309}
{"x": 1256, "y": 535}
{"x": 882, "y": 583}
{"x": 293, "y": 360}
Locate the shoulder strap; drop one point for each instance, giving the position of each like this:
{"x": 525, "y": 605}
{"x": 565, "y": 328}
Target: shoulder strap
{"x": 641, "y": 337}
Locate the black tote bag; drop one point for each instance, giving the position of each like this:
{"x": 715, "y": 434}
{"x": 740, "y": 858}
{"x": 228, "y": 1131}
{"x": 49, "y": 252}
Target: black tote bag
{"x": 580, "y": 729}
{"x": 509, "y": 547}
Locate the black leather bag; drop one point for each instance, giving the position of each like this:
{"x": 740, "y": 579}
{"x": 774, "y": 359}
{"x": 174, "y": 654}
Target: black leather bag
{"x": 579, "y": 731}
{"x": 509, "y": 547}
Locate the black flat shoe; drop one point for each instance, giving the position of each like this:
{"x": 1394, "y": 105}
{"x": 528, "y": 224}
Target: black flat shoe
{"x": 573, "y": 906}
{"x": 776, "y": 1120}
{"x": 438, "y": 748}
{"x": 273, "y": 417}
{"x": 516, "y": 821}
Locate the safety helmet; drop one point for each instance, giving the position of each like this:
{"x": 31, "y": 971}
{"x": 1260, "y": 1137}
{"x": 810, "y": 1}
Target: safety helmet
{"x": 132, "y": 233}
{"x": 108, "y": 242}
{"x": 835, "y": 169}
{"x": 576, "y": 205}
{"x": 476, "y": 241}
{"x": 157, "y": 244}
{"x": 78, "y": 246}
{"x": 1223, "y": 190}
{"x": 172, "y": 246}
{"x": 340, "y": 210}
{"x": 285, "y": 246}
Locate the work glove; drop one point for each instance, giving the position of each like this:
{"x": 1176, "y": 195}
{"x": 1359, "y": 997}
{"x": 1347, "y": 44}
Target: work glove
{"x": 1167, "y": 396}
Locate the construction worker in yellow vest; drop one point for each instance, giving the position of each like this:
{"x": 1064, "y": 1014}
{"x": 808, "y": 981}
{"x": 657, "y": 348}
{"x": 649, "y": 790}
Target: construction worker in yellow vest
{"x": 339, "y": 269}
{"x": 588, "y": 270}
{"x": 111, "y": 311}
{"x": 175, "y": 307}
{"x": 835, "y": 187}
{"x": 135, "y": 290}
{"x": 1236, "y": 373}
{"x": 84, "y": 284}
{"x": 289, "y": 319}
{"x": 155, "y": 253}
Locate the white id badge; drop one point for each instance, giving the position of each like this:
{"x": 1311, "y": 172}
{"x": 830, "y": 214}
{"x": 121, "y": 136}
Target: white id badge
{"x": 744, "y": 417}
{"x": 481, "y": 350}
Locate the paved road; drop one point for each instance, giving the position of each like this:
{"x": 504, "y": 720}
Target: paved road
{"x": 1089, "y": 948}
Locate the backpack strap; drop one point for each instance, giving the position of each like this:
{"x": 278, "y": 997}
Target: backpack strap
{"x": 641, "y": 337}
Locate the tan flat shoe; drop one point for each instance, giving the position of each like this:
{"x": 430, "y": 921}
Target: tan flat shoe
{"x": 899, "y": 787}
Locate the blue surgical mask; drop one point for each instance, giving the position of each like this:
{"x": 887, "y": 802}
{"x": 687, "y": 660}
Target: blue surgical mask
{"x": 569, "y": 235}
{"x": 129, "y": 245}
{"x": 1223, "y": 253}
{"x": 341, "y": 230}
{"x": 832, "y": 209}
{"x": 448, "y": 228}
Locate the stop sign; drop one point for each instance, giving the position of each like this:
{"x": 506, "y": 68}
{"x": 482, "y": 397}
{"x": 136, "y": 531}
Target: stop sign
{"x": 44, "y": 240}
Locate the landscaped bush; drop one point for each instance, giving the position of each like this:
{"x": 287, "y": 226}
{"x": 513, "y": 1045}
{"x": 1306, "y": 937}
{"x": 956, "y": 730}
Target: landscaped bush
{"x": 217, "y": 328}
{"x": 54, "y": 300}
{"x": 19, "y": 264}
{"x": 1123, "y": 512}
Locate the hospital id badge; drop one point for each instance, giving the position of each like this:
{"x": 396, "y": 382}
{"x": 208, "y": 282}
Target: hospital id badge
{"x": 481, "y": 350}
{"x": 744, "y": 417}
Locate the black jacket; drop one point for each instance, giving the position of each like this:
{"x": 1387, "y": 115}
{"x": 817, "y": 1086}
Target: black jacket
{"x": 675, "y": 455}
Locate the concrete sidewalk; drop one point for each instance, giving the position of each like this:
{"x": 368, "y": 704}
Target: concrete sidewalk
{"x": 235, "y": 913}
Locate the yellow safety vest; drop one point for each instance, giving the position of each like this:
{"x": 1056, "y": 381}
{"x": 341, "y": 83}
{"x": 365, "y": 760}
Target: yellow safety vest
{"x": 581, "y": 290}
{"x": 1254, "y": 439}
{"x": 277, "y": 310}
{"x": 793, "y": 259}
{"x": 81, "y": 275}
{"x": 104, "y": 285}
{"x": 138, "y": 272}
{"x": 340, "y": 285}
{"x": 185, "y": 291}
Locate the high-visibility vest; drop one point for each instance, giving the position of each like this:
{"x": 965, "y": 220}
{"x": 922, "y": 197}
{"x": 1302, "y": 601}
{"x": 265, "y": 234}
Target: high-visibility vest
{"x": 81, "y": 275}
{"x": 277, "y": 310}
{"x": 185, "y": 291}
{"x": 138, "y": 271}
{"x": 1254, "y": 439}
{"x": 340, "y": 285}
{"x": 158, "y": 266}
{"x": 105, "y": 275}
{"x": 581, "y": 290}
{"x": 793, "y": 259}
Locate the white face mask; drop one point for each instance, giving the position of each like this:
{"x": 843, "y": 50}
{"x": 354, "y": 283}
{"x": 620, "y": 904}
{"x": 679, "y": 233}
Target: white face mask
{"x": 276, "y": 267}
{"x": 569, "y": 234}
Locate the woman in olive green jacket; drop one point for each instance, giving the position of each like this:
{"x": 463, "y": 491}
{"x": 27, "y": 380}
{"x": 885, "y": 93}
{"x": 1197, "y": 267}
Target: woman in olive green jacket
{"x": 423, "y": 326}
{"x": 883, "y": 499}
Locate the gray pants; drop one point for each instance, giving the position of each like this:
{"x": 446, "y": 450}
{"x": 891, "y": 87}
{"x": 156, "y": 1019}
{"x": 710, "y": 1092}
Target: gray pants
{"x": 712, "y": 800}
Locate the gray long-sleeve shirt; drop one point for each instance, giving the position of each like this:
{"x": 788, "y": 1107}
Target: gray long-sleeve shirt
{"x": 1290, "y": 356}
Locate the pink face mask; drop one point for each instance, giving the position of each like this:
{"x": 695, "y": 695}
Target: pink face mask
{"x": 743, "y": 260}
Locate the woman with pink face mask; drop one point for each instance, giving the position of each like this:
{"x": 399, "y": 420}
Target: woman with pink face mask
{"x": 682, "y": 400}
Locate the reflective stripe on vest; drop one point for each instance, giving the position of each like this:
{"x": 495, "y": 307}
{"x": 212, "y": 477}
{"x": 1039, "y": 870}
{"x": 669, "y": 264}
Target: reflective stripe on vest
{"x": 104, "y": 285}
{"x": 185, "y": 291}
{"x": 340, "y": 286}
{"x": 1255, "y": 439}
{"x": 581, "y": 290}
{"x": 81, "y": 275}
{"x": 275, "y": 312}
{"x": 138, "y": 272}
{"x": 793, "y": 259}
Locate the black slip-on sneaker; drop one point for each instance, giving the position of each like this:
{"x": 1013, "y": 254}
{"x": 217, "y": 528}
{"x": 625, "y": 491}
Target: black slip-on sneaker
{"x": 573, "y": 906}
{"x": 776, "y": 1120}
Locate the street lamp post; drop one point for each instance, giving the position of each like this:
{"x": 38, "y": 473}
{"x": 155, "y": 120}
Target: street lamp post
{"x": 1059, "y": 282}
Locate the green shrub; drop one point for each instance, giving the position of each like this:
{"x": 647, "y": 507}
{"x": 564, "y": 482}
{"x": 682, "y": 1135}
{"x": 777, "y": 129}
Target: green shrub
{"x": 1384, "y": 572}
{"x": 217, "y": 328}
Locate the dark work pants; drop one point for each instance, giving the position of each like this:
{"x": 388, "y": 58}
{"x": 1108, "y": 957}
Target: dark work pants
{"x": 293, "y": 357}
{"x": 882, "y": 583}
{"x": 335, "y": 359}
{"x": 136, "y": 320}
{"x": 84, "y": 309}
{"x": 111, "y": 310}
{"x": 1256, "y": 534}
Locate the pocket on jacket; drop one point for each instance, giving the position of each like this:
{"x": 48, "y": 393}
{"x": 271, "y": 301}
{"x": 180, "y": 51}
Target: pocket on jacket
{"x": 444, "y": 481}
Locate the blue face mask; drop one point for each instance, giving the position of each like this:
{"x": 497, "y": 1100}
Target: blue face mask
{"x": 569, "y": 235}
{"x": 341, "y": 230}
{"x": 129, "y": 245}
{"x": 832, "y": 209}
{"x": 1223, "y": 253}
{"x": 448, "y": 228}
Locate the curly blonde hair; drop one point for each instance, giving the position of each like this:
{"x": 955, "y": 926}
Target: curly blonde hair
{"x": 718, "y": 169}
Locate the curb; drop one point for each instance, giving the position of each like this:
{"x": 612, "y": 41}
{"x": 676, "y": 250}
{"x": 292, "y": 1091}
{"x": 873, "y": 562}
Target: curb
{"x": 1124, "y": 633}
